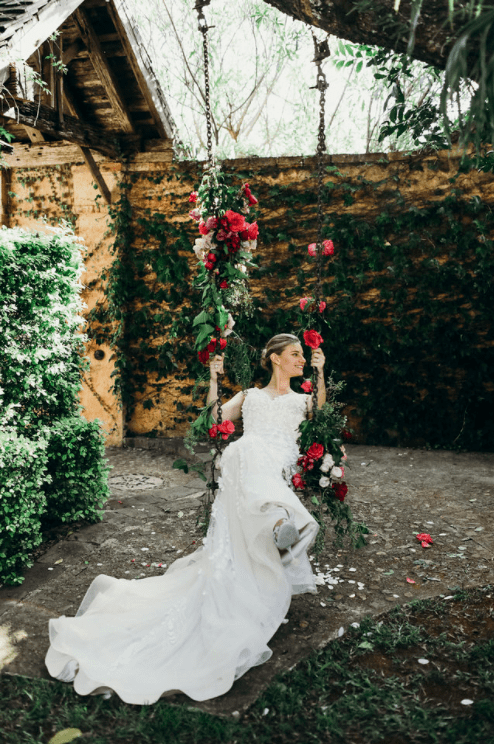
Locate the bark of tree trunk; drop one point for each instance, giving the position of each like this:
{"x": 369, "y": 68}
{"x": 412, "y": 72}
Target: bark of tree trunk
{"x": 376, "y": 22}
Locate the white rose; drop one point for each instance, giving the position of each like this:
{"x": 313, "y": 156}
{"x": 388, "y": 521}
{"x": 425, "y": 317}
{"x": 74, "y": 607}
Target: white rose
{"x": 336, "y": 472}
{"x": 324, "y": 482}
{"x": 200, "y": 248}
{"x": 327, "y": 462}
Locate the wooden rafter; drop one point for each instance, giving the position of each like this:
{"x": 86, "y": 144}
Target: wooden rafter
{"x": 46, "y": 120}
{"x": 103, "y": 70}
{"x": 72, "y": 105}
{"x": 141, "y": 67}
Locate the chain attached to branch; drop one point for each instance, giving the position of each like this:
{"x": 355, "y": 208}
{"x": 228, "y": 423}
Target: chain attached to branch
{"x": 203, "y": 28}
{"x": 321, "y": 52}
{"x": 213, "y": 183}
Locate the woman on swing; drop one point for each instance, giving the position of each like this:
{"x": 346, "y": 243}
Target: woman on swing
{"x": 208, "y": 619}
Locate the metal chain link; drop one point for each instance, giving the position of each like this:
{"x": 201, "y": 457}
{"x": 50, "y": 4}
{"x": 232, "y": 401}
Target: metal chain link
{"x": 203, "y": 28}
{"x": 321, "y": 51}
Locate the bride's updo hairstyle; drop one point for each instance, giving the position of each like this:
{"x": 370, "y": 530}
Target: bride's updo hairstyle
{"x": 276, "y": 345}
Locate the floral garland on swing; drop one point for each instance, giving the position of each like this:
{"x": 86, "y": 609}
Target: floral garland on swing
{"x": 224, "y": 251}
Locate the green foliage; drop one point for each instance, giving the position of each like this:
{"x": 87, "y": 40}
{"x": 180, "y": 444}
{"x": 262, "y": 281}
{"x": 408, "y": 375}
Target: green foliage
{"x": 23, "y": 475}
{"x": 51, "y": 466}
{"x": 40, "y": 348}
{"x": 77, "y": 487}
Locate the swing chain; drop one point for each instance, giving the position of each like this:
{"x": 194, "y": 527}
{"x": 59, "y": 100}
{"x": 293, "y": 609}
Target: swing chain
{"x": 321, "y": 52}
{"x": 203, "y": 28}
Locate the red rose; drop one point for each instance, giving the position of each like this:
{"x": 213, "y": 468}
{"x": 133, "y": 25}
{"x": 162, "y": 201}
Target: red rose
{"x": 252, "y": 200}
{"x": 209, "y": 265}
{"x": 224, "y": 284}
{"x": 315, "y": 451}
{"x": 328, "y": 248}
{"x": 346, "y": 434}
{"x": 340, "y": 491}
{"x": 307, "y": 386}
{"x": 203, "y": 229}
{"x": 224, "y": 223}
{"x": 313, "y": 339}
{"x": 211, "y": 257}
{"x": 244, "y": 235}
{"x": 213, "y": 431}
{"x": 212, "y": 345}
{"x": 223, "y": 343}
{"x": 236, "y": 221}
{"x": 298, "y": 481}
{"x": 226, "y": 428}
{"x": 253, "y": 231}
{"x": 322, "y": 306}
{"x": 247, "y": 191}
{"x": 193, "y": 197}
{"x": 233, "y": 241}
{"x": 203, "y": 356}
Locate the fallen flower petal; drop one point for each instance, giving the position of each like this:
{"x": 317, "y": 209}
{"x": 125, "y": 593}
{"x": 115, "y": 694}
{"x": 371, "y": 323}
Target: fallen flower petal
{"x": 424, "y": 537}
{"x": 411, "y": 581}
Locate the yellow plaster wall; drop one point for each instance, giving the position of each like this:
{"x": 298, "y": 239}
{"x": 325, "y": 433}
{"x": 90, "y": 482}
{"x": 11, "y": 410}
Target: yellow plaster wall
{"x": 62, "y": 183}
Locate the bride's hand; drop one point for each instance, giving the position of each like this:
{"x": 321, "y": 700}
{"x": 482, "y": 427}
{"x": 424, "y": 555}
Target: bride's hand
{"x": 317, "y": 359}
{"x": 216, "y": 367}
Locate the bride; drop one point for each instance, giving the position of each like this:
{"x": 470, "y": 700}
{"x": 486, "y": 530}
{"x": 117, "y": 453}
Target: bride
{"x": 208, "y": 619}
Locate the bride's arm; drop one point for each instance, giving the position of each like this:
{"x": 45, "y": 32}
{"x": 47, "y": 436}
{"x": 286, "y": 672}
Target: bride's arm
{"x": 232, "y": 409}
{"x": 317, "y": 361}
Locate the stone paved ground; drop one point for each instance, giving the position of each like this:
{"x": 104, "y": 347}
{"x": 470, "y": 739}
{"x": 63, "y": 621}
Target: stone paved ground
{"x": 396, "y": 492}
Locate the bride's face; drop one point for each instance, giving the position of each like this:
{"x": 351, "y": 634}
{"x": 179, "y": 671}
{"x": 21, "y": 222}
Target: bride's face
{"x": 291, "y": 360}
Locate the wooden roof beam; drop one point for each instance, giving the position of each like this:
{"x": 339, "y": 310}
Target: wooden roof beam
{"x": 71, "y": 102}
{"x": 103, "y": 70}
{"x": 46, "y": 120}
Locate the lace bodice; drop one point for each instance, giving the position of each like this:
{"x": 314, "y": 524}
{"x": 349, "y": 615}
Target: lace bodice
{"x": 270, "y": 418}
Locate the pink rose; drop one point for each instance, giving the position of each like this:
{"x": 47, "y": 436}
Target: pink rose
{"x": 328, "y": 248}
{"x": 195, "y": 215}
{"x": 303, "y": 302}
{"x": 221, "y": 235}
{"x": 313, "y": 339}
{"x": 322, "y": 306}
{"x": 236, "y": 221}
{"x": 253, "y": 231}
{"x": 312, "y": 249}
{"x": 307, "y": 386}
{"x": 298, "y": 481}
{"x": 211, "y": 223}
{"x": 193, "y": 197}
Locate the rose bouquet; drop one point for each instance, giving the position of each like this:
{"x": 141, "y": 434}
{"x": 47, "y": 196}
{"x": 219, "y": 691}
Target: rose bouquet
{"x": 321, "y": 465}
{"x": 321, "y": 470}
{"x": 224, "y": 251}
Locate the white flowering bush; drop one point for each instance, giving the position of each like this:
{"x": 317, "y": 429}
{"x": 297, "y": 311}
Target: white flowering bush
{"x": 51, "y": 458}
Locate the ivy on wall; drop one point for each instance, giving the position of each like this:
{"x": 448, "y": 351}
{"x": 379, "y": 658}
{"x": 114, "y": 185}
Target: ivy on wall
{"x": 408, "y": 294}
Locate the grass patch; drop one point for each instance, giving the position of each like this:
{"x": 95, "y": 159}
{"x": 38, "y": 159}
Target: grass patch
{"x": 368, "y": 687}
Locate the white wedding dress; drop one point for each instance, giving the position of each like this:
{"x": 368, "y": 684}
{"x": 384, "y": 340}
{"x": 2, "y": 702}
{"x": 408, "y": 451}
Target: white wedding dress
{"x": 208, "y": 619}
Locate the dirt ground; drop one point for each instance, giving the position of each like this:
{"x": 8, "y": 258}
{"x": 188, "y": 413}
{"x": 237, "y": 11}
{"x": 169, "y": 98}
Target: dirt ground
{"x": 151, "y": 519}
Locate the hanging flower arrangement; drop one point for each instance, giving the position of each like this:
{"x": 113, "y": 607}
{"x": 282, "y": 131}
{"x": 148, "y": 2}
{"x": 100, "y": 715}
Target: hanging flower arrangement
{"x": 321, "y": 465}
